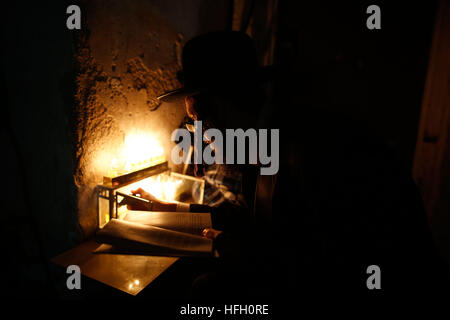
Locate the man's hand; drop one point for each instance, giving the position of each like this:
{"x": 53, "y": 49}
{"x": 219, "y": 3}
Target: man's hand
{"x": 142, "y": 194}
{"x": 211, "y": 233}
{"x": 158, "y": 205}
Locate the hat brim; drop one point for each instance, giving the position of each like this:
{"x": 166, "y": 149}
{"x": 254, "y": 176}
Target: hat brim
{"x": 265, "y": 73}
{"x": 177, "y": 95}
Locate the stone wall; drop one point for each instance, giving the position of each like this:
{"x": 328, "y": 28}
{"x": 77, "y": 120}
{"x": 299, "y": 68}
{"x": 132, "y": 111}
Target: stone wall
{"x": 127, "y": 54}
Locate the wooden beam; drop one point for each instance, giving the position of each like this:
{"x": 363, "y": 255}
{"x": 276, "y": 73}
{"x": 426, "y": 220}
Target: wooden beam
{"x": 432, "y": 156}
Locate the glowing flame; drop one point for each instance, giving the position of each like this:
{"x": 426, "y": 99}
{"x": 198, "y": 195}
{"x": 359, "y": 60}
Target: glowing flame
{"x": 163, "y": 187}
{"x": 140, "y": 150}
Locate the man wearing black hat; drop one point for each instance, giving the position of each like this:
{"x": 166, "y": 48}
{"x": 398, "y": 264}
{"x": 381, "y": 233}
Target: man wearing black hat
{"x": 222, "y": 87}
{"x": 342, "y": 201}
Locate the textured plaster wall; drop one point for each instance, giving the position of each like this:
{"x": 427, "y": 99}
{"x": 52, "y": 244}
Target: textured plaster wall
{"x": 128, "y": 53}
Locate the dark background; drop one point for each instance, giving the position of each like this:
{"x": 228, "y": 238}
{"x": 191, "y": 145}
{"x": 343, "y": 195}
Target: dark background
{"x": 376, "y": 76}
{"x": 335, "y": 63}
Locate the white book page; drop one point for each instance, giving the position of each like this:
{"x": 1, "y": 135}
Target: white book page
{"x": 139, "y": 237}
{"x": 189, "y": 222}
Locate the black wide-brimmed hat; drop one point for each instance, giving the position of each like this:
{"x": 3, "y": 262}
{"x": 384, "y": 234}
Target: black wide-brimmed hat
{"x": 218, "y": 61}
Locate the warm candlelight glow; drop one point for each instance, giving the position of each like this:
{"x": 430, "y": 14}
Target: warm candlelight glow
{"x": 140, "y": 150}
{"x": 163, "y": 187}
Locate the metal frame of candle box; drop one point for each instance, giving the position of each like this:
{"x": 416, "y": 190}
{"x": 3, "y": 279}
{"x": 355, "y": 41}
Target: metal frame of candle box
{"x": 107, "y": 199}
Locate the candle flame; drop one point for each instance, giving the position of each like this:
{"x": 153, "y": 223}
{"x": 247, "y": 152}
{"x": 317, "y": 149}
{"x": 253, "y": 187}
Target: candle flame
{"x": 140, "y": 150}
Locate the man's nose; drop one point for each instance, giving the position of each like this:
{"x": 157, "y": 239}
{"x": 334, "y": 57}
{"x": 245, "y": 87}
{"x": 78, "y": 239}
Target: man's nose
{"x": 189, "y": 103}
{"x": 190, "y": 127}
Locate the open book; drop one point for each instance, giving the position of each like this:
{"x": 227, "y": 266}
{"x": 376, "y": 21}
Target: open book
{"x": 157, "y": 233}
